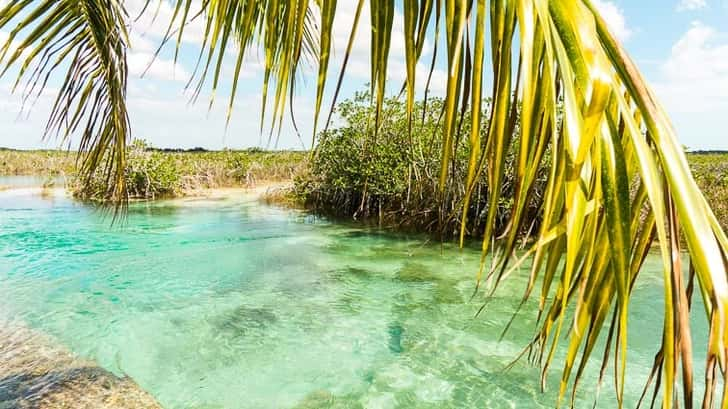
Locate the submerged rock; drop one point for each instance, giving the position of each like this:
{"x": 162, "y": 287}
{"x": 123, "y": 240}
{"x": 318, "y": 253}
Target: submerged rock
{"x": 323, "y": 399}
{"x": 243, "y": 319}
{"x": 395, "y": 332}
{"x": 412, "y": 272}
{"x": 37, "y": 373}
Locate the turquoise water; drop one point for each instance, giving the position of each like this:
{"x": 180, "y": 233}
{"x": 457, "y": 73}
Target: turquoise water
{"x": 233, "y": 304}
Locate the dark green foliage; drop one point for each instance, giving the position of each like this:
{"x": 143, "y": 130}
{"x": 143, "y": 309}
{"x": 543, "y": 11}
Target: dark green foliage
{"x": 392, "y": 176}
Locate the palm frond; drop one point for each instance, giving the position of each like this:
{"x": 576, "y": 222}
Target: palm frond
{"x": 562, "y": 85}
{"x": 87, "y": 41}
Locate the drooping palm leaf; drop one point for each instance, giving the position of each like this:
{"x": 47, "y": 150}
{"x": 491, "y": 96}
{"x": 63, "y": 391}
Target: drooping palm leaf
{"x": 576, "y": 102}
{"x": 86, "y": 40}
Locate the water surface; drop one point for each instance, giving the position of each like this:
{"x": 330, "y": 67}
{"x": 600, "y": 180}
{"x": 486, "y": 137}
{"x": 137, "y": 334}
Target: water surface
{"x": 230, "y": 303}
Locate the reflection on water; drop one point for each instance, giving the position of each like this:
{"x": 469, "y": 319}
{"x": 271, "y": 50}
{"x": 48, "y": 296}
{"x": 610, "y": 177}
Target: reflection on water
{"x": 234, "y": 304}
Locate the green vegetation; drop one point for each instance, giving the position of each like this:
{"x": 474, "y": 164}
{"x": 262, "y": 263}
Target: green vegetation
{"x": 392, "y": 177}
{"x": 617, "y": 180}
{"x": 711, "y": 172}
{"x": 44, "y": 163}
{"x": 148, "y": 174}
{"x": 153, "y": 174}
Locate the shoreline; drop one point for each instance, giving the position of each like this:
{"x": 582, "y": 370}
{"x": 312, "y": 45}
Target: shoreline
{"x": 257, "y": 191}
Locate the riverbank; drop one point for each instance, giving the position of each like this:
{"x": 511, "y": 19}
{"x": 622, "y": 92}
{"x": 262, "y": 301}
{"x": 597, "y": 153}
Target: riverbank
{"x": 194, "y": 174}
{"x": 261, "y": 191}
{"x": 153, "y": 174}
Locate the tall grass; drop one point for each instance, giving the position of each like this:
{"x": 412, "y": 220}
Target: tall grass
{"x": 37, "y": 162}
{"x": 711, "y": 172}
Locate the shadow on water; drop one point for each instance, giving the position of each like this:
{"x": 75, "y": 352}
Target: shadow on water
{"x": 444, "y": 289}
{"x": 153, "y": 210}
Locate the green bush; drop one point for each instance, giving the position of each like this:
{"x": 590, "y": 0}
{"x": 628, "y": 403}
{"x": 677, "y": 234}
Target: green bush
{"x": 153, "y": 174}
{"x": 148, "y": 175}
{"x": 391, "y": 177}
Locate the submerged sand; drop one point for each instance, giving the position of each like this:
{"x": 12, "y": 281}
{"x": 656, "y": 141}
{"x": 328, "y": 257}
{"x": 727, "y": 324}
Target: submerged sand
{"x": 36, "y": 372}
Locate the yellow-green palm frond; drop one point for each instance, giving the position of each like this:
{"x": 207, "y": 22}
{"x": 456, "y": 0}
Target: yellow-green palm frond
{"x": 285, "y": 31}
{"x": 618, "y": 177}
{"x": 87, "y": 41}
{"x": 561, "y": 84}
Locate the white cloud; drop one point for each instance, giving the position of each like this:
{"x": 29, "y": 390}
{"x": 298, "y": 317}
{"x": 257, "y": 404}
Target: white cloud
{"x": 696, "y": 73}
{"x": 161, "y": 69}
{"x": 155, "y": 22}
{"x": 686, "y": 5}
{"x": 693, "y": 84}
{"x": 359, "y": 62}
{"x": 172, "y": 121}
{"x": 615, "y": 19}
{"x": 143, "y": 62}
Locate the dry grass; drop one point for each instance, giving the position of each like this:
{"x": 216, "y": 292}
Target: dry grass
{"x": 180, "y": 173}
{"x": 37, "y": 163}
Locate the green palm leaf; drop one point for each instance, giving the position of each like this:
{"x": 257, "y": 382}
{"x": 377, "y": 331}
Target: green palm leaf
{"x": 562, "y": 85}
{"x": 88, "y": 40}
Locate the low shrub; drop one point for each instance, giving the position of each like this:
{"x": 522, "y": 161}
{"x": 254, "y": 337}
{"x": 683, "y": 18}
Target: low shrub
{"x": 148, "y": 175}
{"x": 153, "y": 174}
{"x": 711, "y": 173}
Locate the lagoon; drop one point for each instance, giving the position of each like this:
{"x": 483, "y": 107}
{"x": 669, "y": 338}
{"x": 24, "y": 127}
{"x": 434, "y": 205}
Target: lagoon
{"x": 229, "y": 303}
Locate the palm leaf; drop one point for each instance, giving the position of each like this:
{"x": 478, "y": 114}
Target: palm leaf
{"x": 89, "y": 38}
{"x": 618, "y": 178}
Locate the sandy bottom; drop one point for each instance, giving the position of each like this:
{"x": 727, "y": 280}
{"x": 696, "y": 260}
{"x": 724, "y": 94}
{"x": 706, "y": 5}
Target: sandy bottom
{"x": 37, "y": 373}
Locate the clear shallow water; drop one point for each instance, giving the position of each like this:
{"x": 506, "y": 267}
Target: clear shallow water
{"x": 229, "y": 303}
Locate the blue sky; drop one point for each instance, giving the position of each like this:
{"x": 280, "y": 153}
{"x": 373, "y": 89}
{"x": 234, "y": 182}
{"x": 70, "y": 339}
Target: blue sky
{"x": 681, "y": 46}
